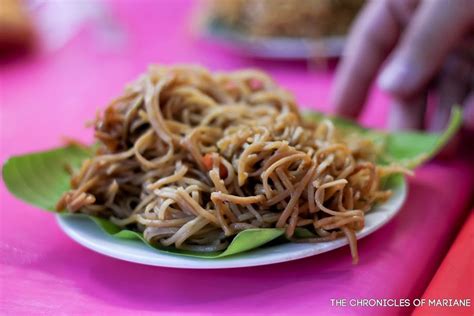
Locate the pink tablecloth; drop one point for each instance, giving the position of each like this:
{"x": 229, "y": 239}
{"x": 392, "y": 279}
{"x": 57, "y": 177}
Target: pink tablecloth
{"x": 42, "y": 271}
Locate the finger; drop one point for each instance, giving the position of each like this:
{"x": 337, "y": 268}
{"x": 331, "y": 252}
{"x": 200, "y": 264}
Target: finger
{"x": 436, "y": 27}
{"x": 453, "y": 87}
{"x": 373, "y": 36}
{"x": 407, "y": 114}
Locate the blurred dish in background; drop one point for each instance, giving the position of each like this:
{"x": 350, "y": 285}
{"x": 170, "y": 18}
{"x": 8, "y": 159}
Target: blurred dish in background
{"x": 283, "y": 18}
{"x": 16, "y": 30}
{"x": 279, "y": 29}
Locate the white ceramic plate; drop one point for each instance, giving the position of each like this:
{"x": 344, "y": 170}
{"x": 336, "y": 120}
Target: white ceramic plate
{"x": 88, "y": 234}
{"x": 284, "y": 48}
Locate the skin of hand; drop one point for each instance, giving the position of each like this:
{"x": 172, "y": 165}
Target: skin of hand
{"x": 413, "y": 49}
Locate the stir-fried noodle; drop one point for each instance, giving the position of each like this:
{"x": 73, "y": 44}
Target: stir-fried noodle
{"x": 192, "y": 158}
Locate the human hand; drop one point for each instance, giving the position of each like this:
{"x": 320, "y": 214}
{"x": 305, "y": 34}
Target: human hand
{"x": 427, "y": 46}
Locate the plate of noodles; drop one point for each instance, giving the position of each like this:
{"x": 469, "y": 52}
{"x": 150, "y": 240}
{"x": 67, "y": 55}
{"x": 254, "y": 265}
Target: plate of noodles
{"x": 193, "y": 169}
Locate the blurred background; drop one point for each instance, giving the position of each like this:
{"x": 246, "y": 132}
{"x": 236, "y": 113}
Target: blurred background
{"x": 61, "y": 61}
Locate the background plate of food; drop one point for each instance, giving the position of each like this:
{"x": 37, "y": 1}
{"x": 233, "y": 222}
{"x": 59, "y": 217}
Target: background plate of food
{"x": 278, "y": 29}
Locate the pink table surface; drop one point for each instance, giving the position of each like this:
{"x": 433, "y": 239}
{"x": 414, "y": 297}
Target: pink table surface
{"x": 46, "y": 96}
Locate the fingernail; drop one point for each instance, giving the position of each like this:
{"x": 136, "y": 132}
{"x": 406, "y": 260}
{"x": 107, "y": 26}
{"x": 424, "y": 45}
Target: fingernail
{"x": 396, "y": 77}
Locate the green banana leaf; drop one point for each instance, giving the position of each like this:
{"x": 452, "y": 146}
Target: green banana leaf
{"x": 41, "y": 178}
{"x": 409, "y": 149}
